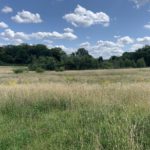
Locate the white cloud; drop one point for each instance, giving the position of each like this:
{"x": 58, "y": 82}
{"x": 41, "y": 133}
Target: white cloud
{"x": 125, "y": 40}
{"x": 103, "y": 48}
{"x": 54, "y": 35}
{"x": 106, "y": 49}
{"x": 12, "y": 35}
{"x": 68, "y": 50}
{"x": 135, "y": 47}
{"x": 22, "y": 35}
{"x": 68, "y": 30}
{"x": 9, "y": 34}
{"x": 3, "y": 25}
{"x": 147, "y": 26}
{"x": 139, "y": 3}
{"x": 85, "y": 45}
{"x": 27, "y": 17}
{"x": 83, "y": 17}
{"x": 145, "y": 40}
{"x": 7, "y": 9}
{"x": 48, "y": 42}
{"x": 17, "y": 41}
{"x": 116, "y": 36}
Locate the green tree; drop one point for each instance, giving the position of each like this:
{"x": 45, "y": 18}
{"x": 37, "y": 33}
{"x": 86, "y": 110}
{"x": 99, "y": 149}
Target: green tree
{"x": 47, "y": 63}
{"x": 82, "y": 52}
{"x": 129, "y": 63}
{"x": 141, "y": 63}
{"x": 57, "y": 53}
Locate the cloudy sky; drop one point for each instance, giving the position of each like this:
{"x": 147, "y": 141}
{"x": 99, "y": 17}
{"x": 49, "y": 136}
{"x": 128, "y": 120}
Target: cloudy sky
{"x": 103, "y": 27}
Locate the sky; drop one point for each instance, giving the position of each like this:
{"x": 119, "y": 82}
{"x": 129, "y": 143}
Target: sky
{"x": 103, "y": 27}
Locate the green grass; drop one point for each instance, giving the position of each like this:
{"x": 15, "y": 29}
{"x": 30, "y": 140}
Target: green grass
{"x": 50, "y": 125}
{"x": 75, "y": 114}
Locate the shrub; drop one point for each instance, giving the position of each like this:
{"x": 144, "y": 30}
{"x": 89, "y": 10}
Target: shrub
{"x": 19, "y": 70}
{"x": 32, "y": 67}
{"x": 60, "y": 69}
{"x": 141, "y": 63}
{"x": 107, "y": 65}
{"x": 39, "y": 70}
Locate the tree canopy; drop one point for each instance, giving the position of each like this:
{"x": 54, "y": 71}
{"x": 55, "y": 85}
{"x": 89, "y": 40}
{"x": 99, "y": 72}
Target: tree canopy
{"x": 51, "y": 59}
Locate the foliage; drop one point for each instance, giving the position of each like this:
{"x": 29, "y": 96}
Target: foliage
{"x": 47, "y": 63}
{"x": 60, "y": 69}
{"x": 52, "y": 59}
{"x": 20, "y": 70}
{"x": 39, "y": 70}
{"x": 141, "y": 63}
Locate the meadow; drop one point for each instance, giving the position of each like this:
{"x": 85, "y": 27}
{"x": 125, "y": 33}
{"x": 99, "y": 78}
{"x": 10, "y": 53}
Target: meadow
{"x": 75, "y": 110}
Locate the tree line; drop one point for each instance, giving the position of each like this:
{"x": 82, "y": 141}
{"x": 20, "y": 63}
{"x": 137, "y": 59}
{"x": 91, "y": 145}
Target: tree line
{"x": 39, "y": 56}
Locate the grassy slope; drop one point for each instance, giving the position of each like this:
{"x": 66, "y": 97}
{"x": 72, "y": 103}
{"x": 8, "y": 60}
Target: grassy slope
{"x": 87, "y": 110}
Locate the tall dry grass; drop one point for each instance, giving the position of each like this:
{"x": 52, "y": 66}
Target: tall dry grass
{"x": 71, "y": 113}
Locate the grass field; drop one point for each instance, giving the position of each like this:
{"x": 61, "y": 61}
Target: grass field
{"x": 75, "y": 110}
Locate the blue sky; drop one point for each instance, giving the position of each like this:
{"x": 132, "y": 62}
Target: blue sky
{"x": 103, "y": 27}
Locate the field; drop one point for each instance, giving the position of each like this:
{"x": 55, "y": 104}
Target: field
{"x": 75, "y": 110}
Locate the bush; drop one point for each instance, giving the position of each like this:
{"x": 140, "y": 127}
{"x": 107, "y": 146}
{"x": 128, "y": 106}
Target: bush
{"x": 39, "y": 70}
{"x": 19, "y": 70}
{"x": 107, "y": 65}
{"x": 32, "y": 67}
{"x": 47, "y": 63}
{"x": 60, "y": 69}
{"x": 141, "y": 63}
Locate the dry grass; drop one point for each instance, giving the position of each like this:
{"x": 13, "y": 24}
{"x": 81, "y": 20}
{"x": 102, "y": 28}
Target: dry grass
{"x": 104, "y": 109}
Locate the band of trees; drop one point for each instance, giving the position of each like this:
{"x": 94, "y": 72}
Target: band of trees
{"x": 39, "y": 56}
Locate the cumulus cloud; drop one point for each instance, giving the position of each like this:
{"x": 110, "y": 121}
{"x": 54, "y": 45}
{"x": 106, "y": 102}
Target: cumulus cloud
{"x": 147, "y": 26}
{"x": 68, "y": 30}
{"x": 54, "y": 35}
{"x": 106, "y": 49}
{"x": 14, "y": 37}
{"x": 135, "y": 47}
{"x": 68, "y": 50}
{"x": 50, "y": 44}
{"x": 103, "y": 48}
{"x": 125, "y": 40}
{"x": 116, "y": 36}
{"x": 85, "y": 45}
{"x": 83, "y": 17}
{"x": 3, "y": 25}
{"x": 139, "y": 3}
{"x": 27, "y": 17}
{"x": 145, "y": 40}
{"x": 17, "y": 41}
{"x": 9, "y": 34}
{"x": 7, "y": 9}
